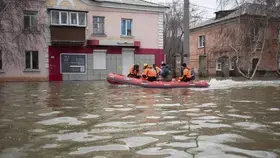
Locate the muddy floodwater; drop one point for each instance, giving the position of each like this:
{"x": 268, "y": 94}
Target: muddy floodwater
{"x": 98, "y": 120}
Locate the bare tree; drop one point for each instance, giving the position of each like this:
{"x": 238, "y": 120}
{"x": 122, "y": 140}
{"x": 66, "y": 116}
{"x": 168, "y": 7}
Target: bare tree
{"x": 251, "y": 37}
{"x": 174, "y": 30}
{"x": 19, "y": 32}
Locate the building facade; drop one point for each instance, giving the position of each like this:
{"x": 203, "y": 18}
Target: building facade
{"x": 88, "y": 39}
{"x": 205, "y": 40}
{"x": 23, "y": 48}
{"x": 57, "y": 40}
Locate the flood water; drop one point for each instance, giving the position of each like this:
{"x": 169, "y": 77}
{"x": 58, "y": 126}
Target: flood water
{"x": 98, "y": 120}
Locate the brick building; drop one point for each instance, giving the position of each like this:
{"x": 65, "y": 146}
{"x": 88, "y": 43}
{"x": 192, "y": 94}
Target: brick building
{"x": 205, "y": 41}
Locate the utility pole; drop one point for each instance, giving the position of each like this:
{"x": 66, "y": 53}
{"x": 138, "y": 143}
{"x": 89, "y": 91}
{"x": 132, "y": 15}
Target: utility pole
{"x": 186, "y": 43}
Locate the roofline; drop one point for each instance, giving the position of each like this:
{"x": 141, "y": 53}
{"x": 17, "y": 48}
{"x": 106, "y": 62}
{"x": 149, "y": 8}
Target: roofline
{"x": 209, "y": 25}
{"x": 124, "y": 6}
{"x": 160, "y": 5}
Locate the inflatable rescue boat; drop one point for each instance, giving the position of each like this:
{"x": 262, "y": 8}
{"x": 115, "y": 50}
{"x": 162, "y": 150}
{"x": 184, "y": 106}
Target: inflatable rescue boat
{"x": 121, "y": 79}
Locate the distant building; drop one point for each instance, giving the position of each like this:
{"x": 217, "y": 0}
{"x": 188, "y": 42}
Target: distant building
{"x": 88, "y": 39}
{"x": 23, "y": 48}
{"x": 78, "y": 39}
{"x": 204, "y": 40}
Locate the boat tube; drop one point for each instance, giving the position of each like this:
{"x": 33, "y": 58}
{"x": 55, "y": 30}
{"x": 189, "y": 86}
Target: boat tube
{"x": 121, "y": 79}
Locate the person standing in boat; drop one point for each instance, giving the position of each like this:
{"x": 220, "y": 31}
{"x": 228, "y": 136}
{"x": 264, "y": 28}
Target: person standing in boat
{"x": 149, "y": 73}
{"x": 186, "y": 74}
{"x": 134, "y": 72}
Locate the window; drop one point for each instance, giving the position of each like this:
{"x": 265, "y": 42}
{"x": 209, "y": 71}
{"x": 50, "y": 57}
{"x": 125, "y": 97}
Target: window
{"x": 30, "y": 19}
{"x": 201, "y": 41}
{"x": 1, "y": 60}
{"x": 126, "y": 27}
{"x": 218, "y": 66}
{"x": 61, "y": 18}
{"x": 98, "y": 25}
{"x": 55, "y": 17}
{"x": 73, "y": 18}
{"x": 31, "y": 60}
{"x": 99, "y": 59}
{"x": 82, "y": 19}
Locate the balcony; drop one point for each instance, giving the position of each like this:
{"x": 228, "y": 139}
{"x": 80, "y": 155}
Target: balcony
{"x": 68, "y": 27}
{"x": 67, "y": 35}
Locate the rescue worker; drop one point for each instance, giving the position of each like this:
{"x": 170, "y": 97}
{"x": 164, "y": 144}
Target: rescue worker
{"x": 134, "y": 72}
{"x": 186, "y": 74}
{"x": 166, "y": 73}
{"x": 158, "y": 70}
{"x": 149, "y": 73}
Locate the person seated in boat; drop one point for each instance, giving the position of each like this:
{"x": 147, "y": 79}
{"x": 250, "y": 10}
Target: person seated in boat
{"x": 158, "y": 70}
{"x": 134, "y": 72}
{"x": 186, "y": 74}
{"x": 149, "y": 73}
{"x": 166, "y": 73}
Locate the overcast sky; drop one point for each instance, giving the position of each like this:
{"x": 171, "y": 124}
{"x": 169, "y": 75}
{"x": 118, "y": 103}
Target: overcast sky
{"x": 209, "y": 6}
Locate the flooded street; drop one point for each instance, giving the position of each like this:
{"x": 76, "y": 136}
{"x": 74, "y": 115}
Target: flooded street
{"x": 98, "y": 120}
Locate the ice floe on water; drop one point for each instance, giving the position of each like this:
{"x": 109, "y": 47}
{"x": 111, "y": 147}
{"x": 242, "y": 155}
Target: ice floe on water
{"x": 240, "y": 116}
{"x": 133, "y": 142}
{"x": 160, "y": 133}
{"x": 273, "y": 109}
{"x": 89, "y": 116}
{"x": 117, "y": 109}
{"x": 128, "y": 117}
{"x": 158, "y": 151}
{"x": 77, "y": 137}
{"x": 37, "y": 130}
{"x": 50, "y": 113}
{"x": 62, "y": 120}
{"x": 110, "y": 147}
{"x": 167, "y": 105}
{"x": 49, "y": 146}
{"x": 153, "y": 117}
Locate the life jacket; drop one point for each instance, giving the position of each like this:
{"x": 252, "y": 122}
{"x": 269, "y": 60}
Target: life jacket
{"x": 149, "y": 72}
{"x": 187, "y": 72}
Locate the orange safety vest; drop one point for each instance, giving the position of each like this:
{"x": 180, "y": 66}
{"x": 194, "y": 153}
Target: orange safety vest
{"x": 187, "y": 72}
{"x": 150, "y": 72}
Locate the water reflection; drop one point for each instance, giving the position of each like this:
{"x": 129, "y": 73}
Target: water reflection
{"x": 99, "y": 120}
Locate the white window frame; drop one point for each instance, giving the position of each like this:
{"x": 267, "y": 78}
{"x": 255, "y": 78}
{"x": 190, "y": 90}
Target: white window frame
{"x": 77, "y": 18}
{"x": 217, "y": 66}
{"x": 85, "y": 18}
{"x": 52, "y": 16}
{"x": 31, "y": 60}
{"x": 30, "y": 16}
{"x": 99, "y": 25}
{"x": 60, "y": 17}
{"x": 201, "y": 45}
{"x": 69, "y": 20}
{"x": 126, "y": 26}
{"x": 100, "y": 67}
